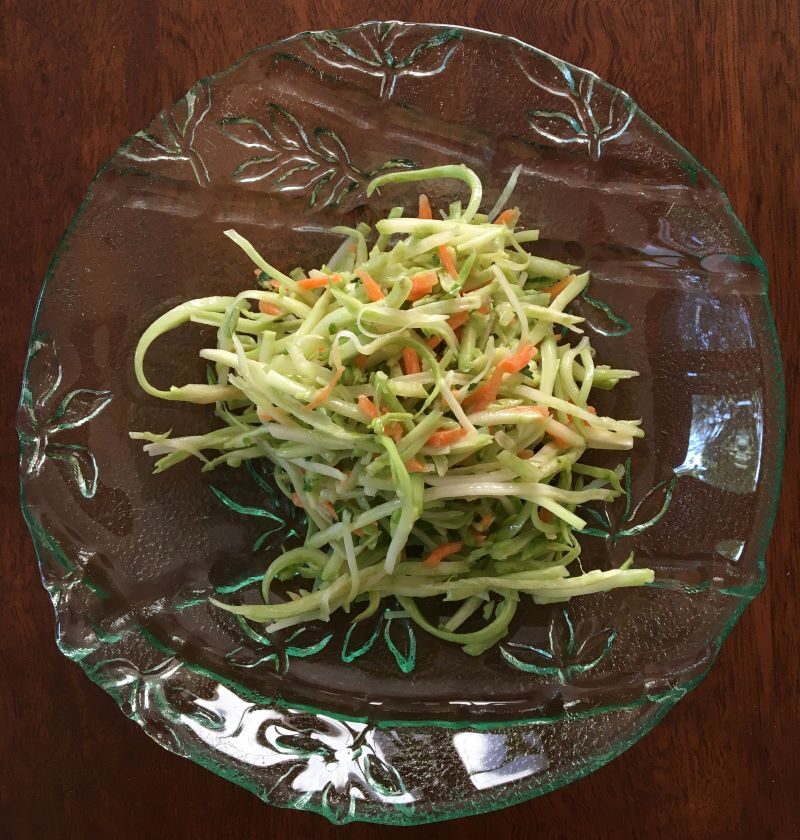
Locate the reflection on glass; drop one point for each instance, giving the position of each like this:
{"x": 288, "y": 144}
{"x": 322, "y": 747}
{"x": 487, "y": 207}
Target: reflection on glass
{"x": 709, "y": 323}
{"x": 491, "y": 759}
{"x": 725, "y": 439}
{"x": 732, "y": 549}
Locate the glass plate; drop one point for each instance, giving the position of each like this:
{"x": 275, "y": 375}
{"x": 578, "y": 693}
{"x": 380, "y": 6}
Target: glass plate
{"x": 384, "y": 723}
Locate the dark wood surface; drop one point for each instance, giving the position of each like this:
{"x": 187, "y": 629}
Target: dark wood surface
{"x": 78, "y": 77}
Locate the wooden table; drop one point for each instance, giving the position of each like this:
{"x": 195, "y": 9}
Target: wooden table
{"x": 721, "y": 76}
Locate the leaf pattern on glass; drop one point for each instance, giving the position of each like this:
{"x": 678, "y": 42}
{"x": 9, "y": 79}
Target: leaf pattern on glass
{"x": 171, "y": 137}
{"x": 317, "y": 164}
{"x": 587, "y": 118}
{"x": 394, "y": 628}
{"x": 386, "y": 52}
{"x": 39, "y": 419}
{"x": 614, "y": 521}
{"x": 599, "y": 317}
{"x": 571, "y": 649}
{"x": 335, "y": 762}
{"x": 278, "y": 650}
{"x": 273, "y": 512}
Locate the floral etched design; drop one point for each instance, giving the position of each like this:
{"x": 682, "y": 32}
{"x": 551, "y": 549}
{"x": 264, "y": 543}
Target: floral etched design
{"x": 171, "y": 136}
{"x": 571, "y": 651}
{"x": 304, "y": 641}
{"x": 588, "y": 118}
{"x": 614, "y": 524}
{"x": 386, "y": 52}
{"x": 397, "y": 632}
{"x": 42, "y": 417}
{"x": 272, "y": 513}
{"x": 599, "y": 317}
{"x": 288, "y": 156}
{"x": 338, "y": 762}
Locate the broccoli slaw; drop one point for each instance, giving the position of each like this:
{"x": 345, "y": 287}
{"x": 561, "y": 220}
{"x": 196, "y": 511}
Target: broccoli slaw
{"x": 425, "y": 398}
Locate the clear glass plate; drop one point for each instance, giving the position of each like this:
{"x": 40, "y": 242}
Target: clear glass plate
{"x": 385, "y": 723}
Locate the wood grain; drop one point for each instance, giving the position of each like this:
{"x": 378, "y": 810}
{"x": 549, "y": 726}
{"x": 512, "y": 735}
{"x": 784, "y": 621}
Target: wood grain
{"x": 75, "y": 79}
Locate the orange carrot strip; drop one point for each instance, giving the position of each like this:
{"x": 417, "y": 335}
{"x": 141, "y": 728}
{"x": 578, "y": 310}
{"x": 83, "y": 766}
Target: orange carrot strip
{"x": 422, "y": 284}
{"x": 425, "y": 211}
{"x": 296, "y": 500}
{"x": 323, "y": 393}
{"x": 454, "y": 322}
{"x": 478, "y": 537}
{"x": 545, "y": 515}
{"x": 367, "y": 406}
{"x": 440, "y": 552}
{"x": 394, "y": 431}
{"x": 317, "y": 282}
{"x": 445, "y": 437}
{"x": 265, "y": 418}
{"x": 525, "y": 454}
{"x": 592, "y": 410}
{"x": 506, "y": 216}
{"x": 372, "y": 288}
{"x": 275, "y": 284}
{"x": 414, "y": 466}
{"x": 486, "y": 393}
{"x": 331, "y": 510}
{"x": 555, "y": 290}
{"x": 361, "y": 361}
{"x": 448, "y": 263}
{"x": 268, "y": 308}
{"x": 411, "y": 360}
{"x": 485, "y": 521}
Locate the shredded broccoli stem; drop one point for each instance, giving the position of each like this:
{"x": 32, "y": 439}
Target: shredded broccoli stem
{"x": 416, "y": 398}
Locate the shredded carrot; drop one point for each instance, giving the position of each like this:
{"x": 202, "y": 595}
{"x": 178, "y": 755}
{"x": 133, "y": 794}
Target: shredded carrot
{"x": 485, "y": 521}
{"x": 525, "y": 454}
{"x": 394, "y": 431}
{"x": 478, "y": 537}
{"x": 317, "y": 282}
{"x": 445, "y": 437}
{"x": 367, "y": 406}
{"x": 555, "y": 290}
{"x": 268, "y": 308}
{"x": 323, "y": 393}
{"x": 447, "y": 261}
{"x": 425, "y": 211}
{"x": 484, "y": 310}
{"x": 331, "y": 510}
{"x": 592, "y": 410}
{"x": 415, "y": 466}
{"x": 422, "y": 284}
{"x": 264, "y": 417}
{"x": 455, "y": 321}
{"x": 411, "y": 361}
{"x": 296, "y": 500}
{"x": 506, "y": 216}
{"x": 440, "y": 552}
{"x": 486, "y": 393}
{"x": 372, "y": 288}
{"x": 275, "y": 284}
{"x": 545, "y": 515}
{"x": 361, "y": 361}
